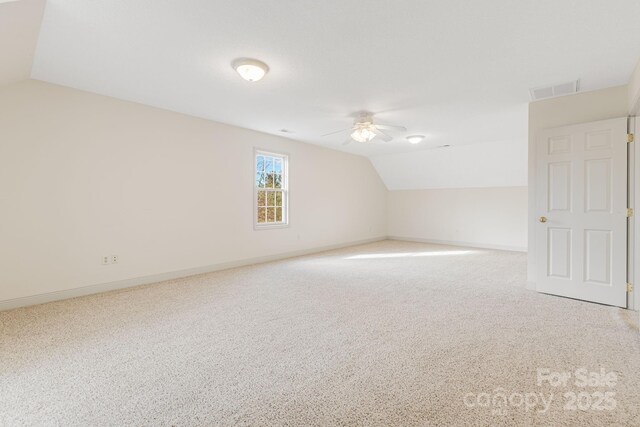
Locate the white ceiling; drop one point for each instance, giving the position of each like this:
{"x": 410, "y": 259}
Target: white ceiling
{"x": 456, "y": 70}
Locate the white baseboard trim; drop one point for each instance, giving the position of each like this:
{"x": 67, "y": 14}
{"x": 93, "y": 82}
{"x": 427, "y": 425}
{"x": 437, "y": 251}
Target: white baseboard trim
{"x": 456, "y": 243}
{"x": 531, "y": 285}
{"x": 154, "y": 278}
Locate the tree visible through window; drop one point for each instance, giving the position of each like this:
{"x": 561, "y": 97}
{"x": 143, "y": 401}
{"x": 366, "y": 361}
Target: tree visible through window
{"x": 270, "y": 189}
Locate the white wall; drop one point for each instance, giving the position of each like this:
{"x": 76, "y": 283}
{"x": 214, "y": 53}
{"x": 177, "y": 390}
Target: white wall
{"x": 572, "y": 109}
{"x": 82, "y": 175}
{"x": 485, "y": 217}
{"x": 19, "y": 28}
{"x": 472, "y": 194}
{"x": 634, "y": 91}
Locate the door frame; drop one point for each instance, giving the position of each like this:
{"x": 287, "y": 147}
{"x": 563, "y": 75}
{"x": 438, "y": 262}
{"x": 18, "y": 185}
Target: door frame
{"x": 633, "y": 229}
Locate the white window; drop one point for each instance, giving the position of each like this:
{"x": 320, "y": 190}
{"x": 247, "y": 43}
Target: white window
{"x": 271, "y": 186}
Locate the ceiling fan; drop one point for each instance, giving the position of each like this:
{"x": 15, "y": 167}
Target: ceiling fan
{"x": 365, "y": 130}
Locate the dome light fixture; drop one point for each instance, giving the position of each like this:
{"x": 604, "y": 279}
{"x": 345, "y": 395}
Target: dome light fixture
{"x": 249, "y": 69}
{"x": 415, "y": 139}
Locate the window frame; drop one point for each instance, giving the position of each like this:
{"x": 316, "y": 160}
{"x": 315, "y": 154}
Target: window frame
{"x": 285, "y": 189}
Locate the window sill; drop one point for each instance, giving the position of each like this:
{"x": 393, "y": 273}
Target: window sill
{"x": 258, "y": 227}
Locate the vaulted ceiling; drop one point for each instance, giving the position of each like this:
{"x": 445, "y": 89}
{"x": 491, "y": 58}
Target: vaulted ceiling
{"x": 457, "y": 71}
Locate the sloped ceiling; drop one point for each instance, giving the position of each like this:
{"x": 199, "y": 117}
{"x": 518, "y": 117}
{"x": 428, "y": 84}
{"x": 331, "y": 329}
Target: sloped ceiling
{"x": 489, "y": 164}
{"x": 19, "y": 27}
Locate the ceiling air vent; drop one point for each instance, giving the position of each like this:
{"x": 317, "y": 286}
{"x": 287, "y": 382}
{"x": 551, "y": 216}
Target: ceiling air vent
{"x": 544, "y": 92}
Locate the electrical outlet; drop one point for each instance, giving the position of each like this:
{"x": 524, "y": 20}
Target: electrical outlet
{"x": 109, "y": 259}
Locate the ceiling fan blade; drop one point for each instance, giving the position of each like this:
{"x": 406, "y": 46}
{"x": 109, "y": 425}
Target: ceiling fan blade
{"x": 390, "y": 127}
{"x": 348, "y": 141}
{"x": 382, "y": 135}
{"x": 338, "y": 131}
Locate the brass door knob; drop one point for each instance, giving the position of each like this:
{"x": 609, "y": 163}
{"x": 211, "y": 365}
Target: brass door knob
{"x": 542, "y": 219}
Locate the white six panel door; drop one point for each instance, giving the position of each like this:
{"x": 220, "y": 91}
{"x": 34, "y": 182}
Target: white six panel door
{"x": 581, "y": 203}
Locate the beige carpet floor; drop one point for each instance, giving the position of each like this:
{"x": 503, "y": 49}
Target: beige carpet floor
{"x": 390, "y": 333}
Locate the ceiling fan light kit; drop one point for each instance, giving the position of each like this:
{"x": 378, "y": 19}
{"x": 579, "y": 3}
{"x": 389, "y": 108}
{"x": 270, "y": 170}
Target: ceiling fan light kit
{"x": 365, "y": 130}
{"x": 363, "y": 133}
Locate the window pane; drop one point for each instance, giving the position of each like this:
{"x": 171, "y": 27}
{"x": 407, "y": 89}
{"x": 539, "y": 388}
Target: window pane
{"x": 277, "y": 181}
{"x": 278, "y": 214}
{"x": 279, "y": 198}
{"x": 268, "y": 164}
{"x": 262, "y": 198}
{"x": 262, "y": 215}
{"x": 259, "y": 179}
{"x": 260, "y": 164}
{"x": 271, "y": 214}
{"x": 277, "y": 166}
{"x": 271, "y": 198}
{"x": 271, "y": 181}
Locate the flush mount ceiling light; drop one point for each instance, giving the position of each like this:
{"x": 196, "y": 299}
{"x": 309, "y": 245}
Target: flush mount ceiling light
{"x": 415, "y": 139}
{"x": 251, "y": 70}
